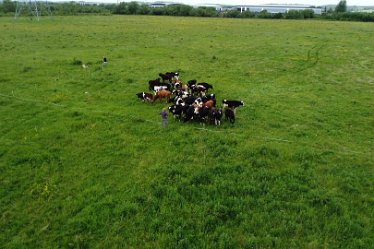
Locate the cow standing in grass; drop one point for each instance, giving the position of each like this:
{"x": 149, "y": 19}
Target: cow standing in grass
{"x": 216, "y": 116}
{"x": 232, "y": 103}
{"x": 163, "y": 94}
{"x": 230, "y": 115}
{"x": 145, "y": 96}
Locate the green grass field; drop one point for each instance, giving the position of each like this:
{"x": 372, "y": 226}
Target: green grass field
{"x": 85, "y": 164}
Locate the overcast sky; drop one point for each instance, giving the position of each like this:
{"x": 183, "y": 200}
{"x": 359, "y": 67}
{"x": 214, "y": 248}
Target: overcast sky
{"x": 250, "y": 2}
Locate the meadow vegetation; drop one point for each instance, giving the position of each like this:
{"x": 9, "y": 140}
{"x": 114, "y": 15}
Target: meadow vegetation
{"x": 341, "y": 12}
{"x": 85, "y": 164}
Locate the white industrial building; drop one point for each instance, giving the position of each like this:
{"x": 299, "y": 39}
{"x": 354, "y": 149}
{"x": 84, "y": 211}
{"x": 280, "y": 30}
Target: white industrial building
{"x": 277, "y": 8}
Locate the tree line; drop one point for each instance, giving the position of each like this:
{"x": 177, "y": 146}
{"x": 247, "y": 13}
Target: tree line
{"x": 8, "y": 7}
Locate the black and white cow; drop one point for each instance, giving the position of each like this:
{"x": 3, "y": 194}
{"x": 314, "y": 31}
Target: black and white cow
{"x": 159, "y": 88}
{"x": 206, "y": 85}
{"x": 232, "y": 103}
{"x": 209, "y": 96}
{"x": 173, "y": 74}
{"x": 181, "y": 93}
{"x": 198, "y": 90}
{"x": 190, "y": 83}
{"x": 145, "y": 96}
{"x": 198, "y": 102}
{"x": 176, "y": 110}
{"x": 178, "y": 101}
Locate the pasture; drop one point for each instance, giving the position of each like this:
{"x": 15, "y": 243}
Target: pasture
{"x": 85, "y": 164}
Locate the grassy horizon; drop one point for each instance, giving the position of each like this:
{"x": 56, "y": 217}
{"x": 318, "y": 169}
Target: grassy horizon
{"x": 84, "y": 164}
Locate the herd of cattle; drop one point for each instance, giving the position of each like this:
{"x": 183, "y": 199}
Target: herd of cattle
{"x": 191, "y": 101}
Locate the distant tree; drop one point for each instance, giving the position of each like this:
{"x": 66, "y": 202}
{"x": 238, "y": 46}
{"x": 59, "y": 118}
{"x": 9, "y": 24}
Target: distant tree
{"x": 232, "y": 13}
{"x": 185, "y": 10}
{"x": 144, "y": 9}
{"x": 158, "y": 11}
{"x": 308, "y": 13}
{"x": 341, "y": 7}
{"x": 9, "y": 6}
{"x": 204, "y": 12}
{"x": 294, "y": 14}
{"x": 264, "y": 14}
{"x": 247, "y": 14}
{"x": 122, "y": 8}
{"x": 133, "y": 8}
{"x": 172, "y": 10}
{"x": 277, "y": 16}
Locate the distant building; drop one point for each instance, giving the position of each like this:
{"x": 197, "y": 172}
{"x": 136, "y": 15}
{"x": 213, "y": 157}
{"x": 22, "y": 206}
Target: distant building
{"x": 217, "y": 7}
{"x": 277, "y": 8}
{"x": 271, "y": 8}
{"x": 157, "y": 5}
{"x": 160, "y": 4}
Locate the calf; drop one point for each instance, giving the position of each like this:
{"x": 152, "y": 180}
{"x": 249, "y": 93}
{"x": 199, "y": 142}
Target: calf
{"x": 145, "y": 96}
{"x": 230, "y": 115}
{"x": 232, "y": 103}
{"x": 216, "y": 116}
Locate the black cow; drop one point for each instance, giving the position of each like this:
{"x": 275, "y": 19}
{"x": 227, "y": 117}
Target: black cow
{"x": 189, "y": 100}
{"x": 191, "y": 85}
{"x": 176, "y": 110}
{"x": 153, "y": 83}
{"x": 168, "y": 76}
{"x": 145, "y": 96}
{"x": 191, "y": 82}
{"x": 189, "y": 113}
{"x": 174, "y": 74}
{"x": 232, "y": 103}
{"x": 230, "y": 115}
{"x": 203, "y": 114}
